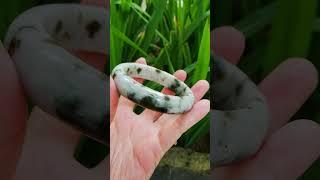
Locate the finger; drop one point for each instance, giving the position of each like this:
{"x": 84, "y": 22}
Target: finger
{"x": 228, "y": 43}
{"x": 168, "y": 135}
{"x": 114, "y": 98}
{"x": 13, "y": 116}
{"x": 153, "y": 115}
{"x": 291, "y": 150}
{"x": 125, "y": 105}
{"x": 96, "y": 60}
{"x": 285, "y": 155}
{"x": 284, "y": 92}
{"x": 199, "y": 90}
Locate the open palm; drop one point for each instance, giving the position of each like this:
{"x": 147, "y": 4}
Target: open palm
{"x": 290, "y": 148}
{"x": 139, "y": 141}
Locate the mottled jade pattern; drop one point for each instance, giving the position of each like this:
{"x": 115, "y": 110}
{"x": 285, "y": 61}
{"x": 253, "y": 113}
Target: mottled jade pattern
{"x": 124, "y": 73}
{"x": 239, "y": 116}
{"x": 39, "y": 41}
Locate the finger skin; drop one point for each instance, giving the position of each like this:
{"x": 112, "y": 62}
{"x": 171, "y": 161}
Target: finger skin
{"x": 169, "y": 134}
{"x": 96, "y": 60}
{"x": 284, "y": 94}
{"x": 294, "y": 147}
{"x": 285, "y": 155}
{"x": 13, "y": 115}
{"x": 228, "y": 43}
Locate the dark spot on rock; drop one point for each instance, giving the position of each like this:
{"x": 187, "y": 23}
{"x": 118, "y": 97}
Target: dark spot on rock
{"x": 167, "y": 98}
{"x": 226, "y": 148}
{"x": 147, "y": 101}
{"x": 13, "y": 46}
{"x": 139, "y": 70}
{"x": 238, "y": 89}
{"x": 218, "y": 72}
{"x": 150, "y": 103}
{"x": 92, "y": 28}
{"x": 174, "y": 87}
{"x": 184, "y": 89}
{"x": 131, "y": 96}
{"x": 58, "y": 27}
{"x": 240, "y": 86}
{"x": 68, "y": 108}
{"x": 114, "y": 75}
{"x": 158, "y": 71}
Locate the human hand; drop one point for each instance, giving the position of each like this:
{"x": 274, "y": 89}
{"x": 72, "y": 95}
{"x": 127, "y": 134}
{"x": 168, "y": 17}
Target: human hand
{"x": 138, "y": 142}
{"x": 290, "y": 148}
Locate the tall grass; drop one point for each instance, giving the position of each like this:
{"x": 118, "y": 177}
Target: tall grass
{"x": 170, "y": 34}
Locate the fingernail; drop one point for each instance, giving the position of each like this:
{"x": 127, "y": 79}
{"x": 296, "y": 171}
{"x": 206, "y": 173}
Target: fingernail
{"x": 90, "y": 153}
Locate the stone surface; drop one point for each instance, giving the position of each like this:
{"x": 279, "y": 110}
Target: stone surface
{"x": 179, "y": 163}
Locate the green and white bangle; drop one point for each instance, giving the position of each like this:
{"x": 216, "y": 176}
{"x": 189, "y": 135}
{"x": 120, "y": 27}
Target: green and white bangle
{"x": 124, "y": 73}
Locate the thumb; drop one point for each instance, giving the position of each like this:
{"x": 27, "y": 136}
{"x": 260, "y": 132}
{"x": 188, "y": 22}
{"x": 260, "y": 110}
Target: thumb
{"x": 13, "y": 116}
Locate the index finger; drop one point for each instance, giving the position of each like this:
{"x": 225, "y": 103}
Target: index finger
{"x": 284, "y": 92}
{"x": 228, "y": 43}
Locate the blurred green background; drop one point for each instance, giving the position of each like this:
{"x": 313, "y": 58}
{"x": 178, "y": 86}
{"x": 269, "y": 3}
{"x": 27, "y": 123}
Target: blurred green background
{"x": 274, "y": 31}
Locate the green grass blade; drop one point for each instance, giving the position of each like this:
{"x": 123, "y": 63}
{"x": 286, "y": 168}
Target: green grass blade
{"x": 194, "y": 25}
{"x": 153, "y": 23}
{"x": 249, "y": 24}
{"x": 203, "y": 61}
{"x": 124, "y": 38}
{"x": 291, "y": 33}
